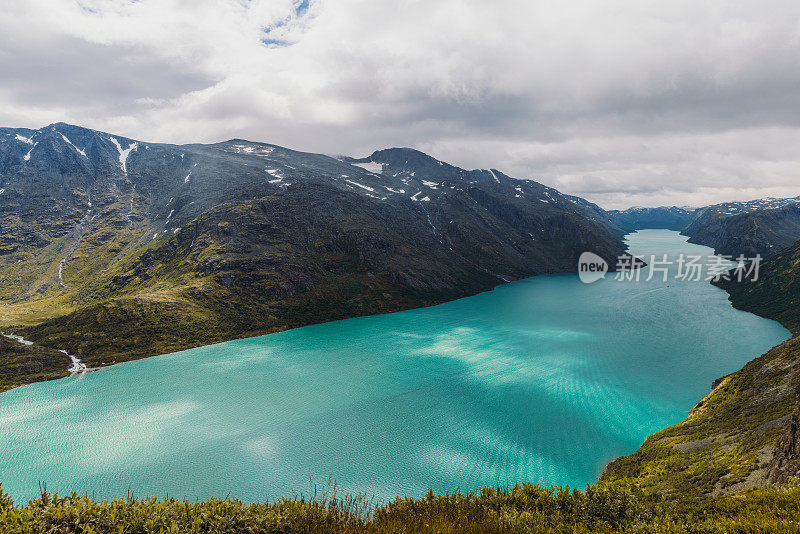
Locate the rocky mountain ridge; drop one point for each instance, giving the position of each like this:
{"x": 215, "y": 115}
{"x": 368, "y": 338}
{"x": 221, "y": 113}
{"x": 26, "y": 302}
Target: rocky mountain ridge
{"x": 114, "y": 248}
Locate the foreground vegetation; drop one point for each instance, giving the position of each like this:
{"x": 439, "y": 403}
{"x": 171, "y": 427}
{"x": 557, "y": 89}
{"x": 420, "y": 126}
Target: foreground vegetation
{"x": 524, "y": 508}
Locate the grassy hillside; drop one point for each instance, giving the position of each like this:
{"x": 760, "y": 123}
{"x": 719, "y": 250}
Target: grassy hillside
{"x": 524, "y": 508}
{"x": 254, "y": 267}
{"x": 728, "y": 441}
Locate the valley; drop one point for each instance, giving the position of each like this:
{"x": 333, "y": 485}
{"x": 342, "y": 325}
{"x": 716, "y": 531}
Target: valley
{"x": 543, "y": 379}
{"x": 742, "y": 434}
{"x": 135, "y": 249}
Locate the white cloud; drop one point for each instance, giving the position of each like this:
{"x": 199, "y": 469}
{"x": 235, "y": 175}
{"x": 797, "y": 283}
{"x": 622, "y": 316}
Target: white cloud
{"x": 623, "y": 102}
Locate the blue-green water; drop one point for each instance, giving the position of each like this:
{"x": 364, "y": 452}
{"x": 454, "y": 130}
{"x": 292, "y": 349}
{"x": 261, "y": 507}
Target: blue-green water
{"x": 542, "y": 380}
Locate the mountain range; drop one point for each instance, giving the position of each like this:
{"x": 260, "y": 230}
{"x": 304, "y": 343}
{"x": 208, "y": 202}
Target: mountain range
{"x": 113, "y": 248}
{"x": 665, "y": 217}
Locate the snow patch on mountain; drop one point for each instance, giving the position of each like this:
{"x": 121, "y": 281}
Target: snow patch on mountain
{"x": 261, "y": 151}
{"x": 360, "y": 185}
{"x": 736, "y": 208}
{"x": 124, "y": 153}
{"x": 27, "y": 156}
{"x": 371, "y": 166}
{"x": 66, "y": 140}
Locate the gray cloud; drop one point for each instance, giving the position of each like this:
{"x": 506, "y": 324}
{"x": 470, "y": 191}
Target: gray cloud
{"x": 625, "y": 103}
{"x": 65, "y": 71}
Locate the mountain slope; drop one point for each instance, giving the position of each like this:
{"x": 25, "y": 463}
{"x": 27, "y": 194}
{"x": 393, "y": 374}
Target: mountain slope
{"x": 116, "y": 249}
{"x": 24, "y": 363}
{"x": 757, "y": 227}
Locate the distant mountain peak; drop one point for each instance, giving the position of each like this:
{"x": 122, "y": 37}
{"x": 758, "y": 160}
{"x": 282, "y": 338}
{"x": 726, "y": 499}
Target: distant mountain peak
{"x": 638, "y": 217}
{"x": 736, "y": 208}
{"x": 408, "y": 156}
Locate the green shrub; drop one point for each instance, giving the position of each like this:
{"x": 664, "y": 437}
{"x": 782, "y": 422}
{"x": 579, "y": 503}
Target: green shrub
{"x": 6, "y": 501}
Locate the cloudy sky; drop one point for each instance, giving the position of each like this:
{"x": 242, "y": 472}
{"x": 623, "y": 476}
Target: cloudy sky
{"x": 635, "y": 102}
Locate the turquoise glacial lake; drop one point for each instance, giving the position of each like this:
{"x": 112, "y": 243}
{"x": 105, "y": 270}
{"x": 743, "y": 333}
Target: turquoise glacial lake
{"x": 542, "y": 380}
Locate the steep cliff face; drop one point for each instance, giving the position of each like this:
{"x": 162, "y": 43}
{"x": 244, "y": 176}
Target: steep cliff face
{"x": 776, "y": 292}
{"x": 785, "y": 463}
{"x": 115, "y": 248}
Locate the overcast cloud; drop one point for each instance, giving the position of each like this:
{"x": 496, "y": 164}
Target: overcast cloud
{"x": 637, "y": 102}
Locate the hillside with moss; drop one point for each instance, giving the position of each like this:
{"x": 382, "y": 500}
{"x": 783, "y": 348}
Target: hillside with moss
{"x": 24, "y": 363}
